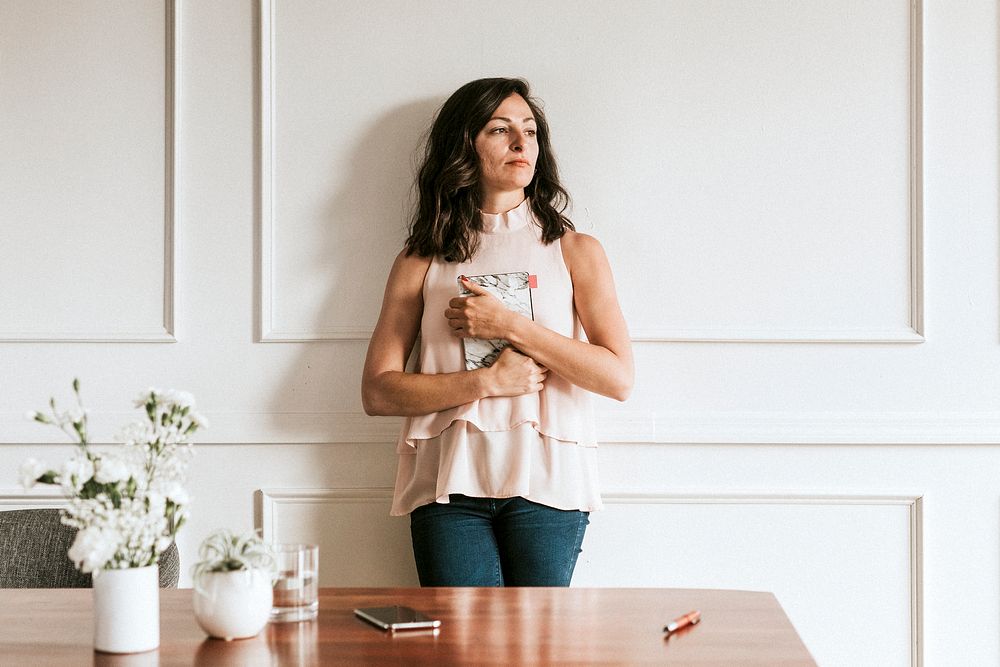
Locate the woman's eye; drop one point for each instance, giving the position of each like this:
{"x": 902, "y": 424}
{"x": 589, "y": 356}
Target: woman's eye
{"x": 531, "y": 133}
{"x": 498, "y": 130}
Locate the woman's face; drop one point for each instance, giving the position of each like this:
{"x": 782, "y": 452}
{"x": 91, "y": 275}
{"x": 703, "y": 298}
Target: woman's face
{"x": 507, "y": 148}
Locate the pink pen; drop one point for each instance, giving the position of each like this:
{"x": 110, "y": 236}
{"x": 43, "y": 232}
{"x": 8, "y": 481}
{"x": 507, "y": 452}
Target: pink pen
{"x": 682, "y": 622}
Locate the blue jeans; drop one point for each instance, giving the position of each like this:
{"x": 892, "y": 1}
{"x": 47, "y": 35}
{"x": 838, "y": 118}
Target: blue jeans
{"x": 495, "y": 542}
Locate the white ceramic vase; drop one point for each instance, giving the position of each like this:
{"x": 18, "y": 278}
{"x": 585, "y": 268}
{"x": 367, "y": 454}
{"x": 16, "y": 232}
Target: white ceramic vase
{"x": 233, "y": 605}
{"x": 127, "y": 610}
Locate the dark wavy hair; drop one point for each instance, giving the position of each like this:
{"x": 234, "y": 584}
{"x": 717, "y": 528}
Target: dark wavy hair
{"x": 446, "y": 221}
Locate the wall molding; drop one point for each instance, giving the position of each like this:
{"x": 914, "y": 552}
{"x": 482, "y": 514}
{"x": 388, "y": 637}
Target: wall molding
{"x": 11, "y": 498}
{"x": 264, "y": 170}
{"x": 914, "y": 331}
{"x": 913, "y": 503}
{"x": 268, "y": 332}
{"x": 268, "y": 503}
{"x": 917, "y": 168}
{"x": 166, "y": 333}
{"x": 625, "y": 427}
{"x": 911, "y": 334}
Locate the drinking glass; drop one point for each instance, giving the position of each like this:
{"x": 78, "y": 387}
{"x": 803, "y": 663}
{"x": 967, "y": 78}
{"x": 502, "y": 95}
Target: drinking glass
{"x": 296, "y": 587}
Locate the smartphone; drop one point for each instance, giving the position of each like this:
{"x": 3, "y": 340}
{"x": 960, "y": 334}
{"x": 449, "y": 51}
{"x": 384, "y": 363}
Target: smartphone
{"x": 397, "y": 618}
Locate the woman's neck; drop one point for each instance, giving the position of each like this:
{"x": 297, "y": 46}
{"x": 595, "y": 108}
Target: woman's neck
{"x": 501, "y": 202}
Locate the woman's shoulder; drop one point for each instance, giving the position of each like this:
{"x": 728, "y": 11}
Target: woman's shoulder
{"x": 409, "y": 269}
{"x": 580, "y": 246}
{"x": 411, "y": 261}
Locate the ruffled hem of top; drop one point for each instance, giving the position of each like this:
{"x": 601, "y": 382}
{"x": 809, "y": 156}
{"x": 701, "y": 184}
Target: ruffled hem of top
{"x": 410, "y": 435}
{"x": 466, "y": 461}
{"x": 577, "y": 431}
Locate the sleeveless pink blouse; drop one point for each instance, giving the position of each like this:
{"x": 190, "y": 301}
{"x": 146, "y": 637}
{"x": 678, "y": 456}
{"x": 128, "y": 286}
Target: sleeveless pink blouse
{"x": 538, "y": 446}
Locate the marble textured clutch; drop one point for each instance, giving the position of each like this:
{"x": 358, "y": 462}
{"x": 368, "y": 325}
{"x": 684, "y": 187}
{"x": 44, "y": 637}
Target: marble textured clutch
{"x": 514, "y": 291}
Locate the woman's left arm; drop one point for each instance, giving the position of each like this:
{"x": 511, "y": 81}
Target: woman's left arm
{"x": 603, "y": 365}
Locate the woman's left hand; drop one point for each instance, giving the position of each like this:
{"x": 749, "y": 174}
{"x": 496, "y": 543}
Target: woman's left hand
{"x": 478, "y": 316}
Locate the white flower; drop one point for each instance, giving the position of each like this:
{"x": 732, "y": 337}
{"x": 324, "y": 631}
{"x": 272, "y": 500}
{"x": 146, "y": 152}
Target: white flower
{"x": 75, "y": 415}
{"x": 143, "y": 398}
{"x": 176, "y": 494}
{"x": 182, "y": 399}
{"x": 157, "y": 503}
{"x": 93, "y": 548}
{"x": 31, "y": 470}
{"x": 130, "y": 524}
{"x": 76, "y": 472}
{"x": 137, "y": 433}
{"x": 165, "y": 397}
{"x": 111, "y": 469}
{"x": 198, "y": 418}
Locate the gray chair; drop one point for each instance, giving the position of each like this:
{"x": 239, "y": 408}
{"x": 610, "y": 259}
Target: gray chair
{"x": 33, "y": 546}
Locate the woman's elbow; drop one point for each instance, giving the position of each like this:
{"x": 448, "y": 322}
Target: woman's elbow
{"x": 373, "y": 401}
{"x": 622, "y": 387}
{"x": 371, "y": 408}
{"x": 621, "y": 392}
{"x": 618, "y": 389}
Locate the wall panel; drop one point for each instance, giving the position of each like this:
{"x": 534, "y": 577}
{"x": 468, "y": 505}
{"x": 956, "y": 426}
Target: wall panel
{"x": 87, "y": 180}
{"x": 358, "y": 545}
{"x": 850, "y": 562}
{"x": 847, "y": 561}
{"x": 774, "y": 164}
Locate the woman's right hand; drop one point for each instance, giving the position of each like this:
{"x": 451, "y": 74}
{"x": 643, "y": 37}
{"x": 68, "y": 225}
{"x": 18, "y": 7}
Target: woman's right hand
{"x": 388, "y": 390}
{"x": 514, "y": 374}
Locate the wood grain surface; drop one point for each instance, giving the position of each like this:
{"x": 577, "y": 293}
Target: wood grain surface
{"x": 480, "y": 626}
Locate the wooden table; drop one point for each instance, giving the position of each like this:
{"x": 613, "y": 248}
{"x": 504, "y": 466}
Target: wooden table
{"x": 480, "y": 626}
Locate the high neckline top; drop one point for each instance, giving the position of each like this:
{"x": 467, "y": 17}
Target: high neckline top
{"x": 511, "y": 221}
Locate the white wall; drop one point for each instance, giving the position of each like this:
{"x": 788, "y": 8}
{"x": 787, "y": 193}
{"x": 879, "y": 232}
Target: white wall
{"x": 805, "y": 246}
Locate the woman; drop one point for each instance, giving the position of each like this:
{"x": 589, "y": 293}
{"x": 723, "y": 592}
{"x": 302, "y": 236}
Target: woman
{"x": 497, "y": 465}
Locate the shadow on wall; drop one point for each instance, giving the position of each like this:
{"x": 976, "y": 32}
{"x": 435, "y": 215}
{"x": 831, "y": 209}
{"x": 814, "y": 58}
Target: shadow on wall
{"x": 360, "y": 228}
{"x": 363, "y": 225}
{"x": 366, "y": 217}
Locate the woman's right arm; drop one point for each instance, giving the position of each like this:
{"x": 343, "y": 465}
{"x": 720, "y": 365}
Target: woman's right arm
{"x": 386, "y": 389}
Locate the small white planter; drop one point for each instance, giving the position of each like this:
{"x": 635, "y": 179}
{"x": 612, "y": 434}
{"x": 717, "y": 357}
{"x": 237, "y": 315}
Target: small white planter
{"x": 233, "y": 605}
{"x": 127, "y": 610}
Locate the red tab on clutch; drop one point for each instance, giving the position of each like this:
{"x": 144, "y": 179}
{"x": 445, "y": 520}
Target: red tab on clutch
{"x": 533, "y": 281}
